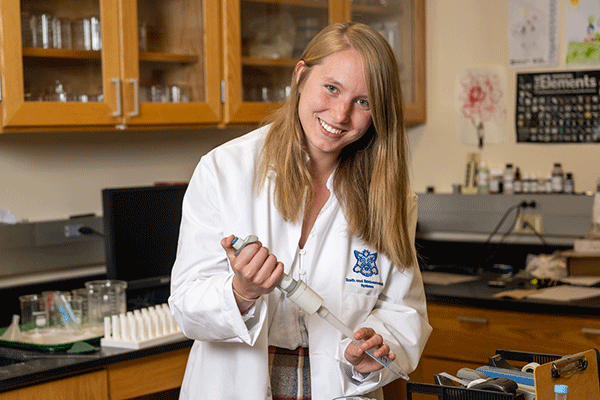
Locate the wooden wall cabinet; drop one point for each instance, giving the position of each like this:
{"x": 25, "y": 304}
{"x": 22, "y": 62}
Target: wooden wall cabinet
{"x": 127, "y": 63}
{"x": 177, "y": 63}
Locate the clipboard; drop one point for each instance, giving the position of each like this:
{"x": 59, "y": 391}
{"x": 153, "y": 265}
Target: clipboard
{"x": 578, "y": 371}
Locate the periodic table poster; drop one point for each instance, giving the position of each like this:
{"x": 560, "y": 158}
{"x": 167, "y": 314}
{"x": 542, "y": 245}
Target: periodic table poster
{"x": 558, "y": 107}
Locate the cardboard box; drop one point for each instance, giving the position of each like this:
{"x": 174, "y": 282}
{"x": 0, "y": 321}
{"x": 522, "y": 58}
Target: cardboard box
{"x": 582, "y": 264}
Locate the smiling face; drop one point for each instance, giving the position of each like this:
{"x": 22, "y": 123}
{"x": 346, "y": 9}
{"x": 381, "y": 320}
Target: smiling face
{"x": 333, "y": 106}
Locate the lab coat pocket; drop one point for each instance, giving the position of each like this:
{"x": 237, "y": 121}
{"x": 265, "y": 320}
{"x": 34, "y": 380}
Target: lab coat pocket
{"x": 356, "y": 307}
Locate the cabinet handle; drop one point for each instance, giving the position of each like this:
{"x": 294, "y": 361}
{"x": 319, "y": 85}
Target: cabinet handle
{"x": 473, "y": 320}
{"x": 119, "y": 110}
{"x": 136, "y": 97}
{"x": 590, "y": 331}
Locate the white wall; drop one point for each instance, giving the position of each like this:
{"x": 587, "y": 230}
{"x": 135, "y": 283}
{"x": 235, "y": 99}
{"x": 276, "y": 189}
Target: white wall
{"x": 54, "y": 175}
{"x": 473, "y": 33}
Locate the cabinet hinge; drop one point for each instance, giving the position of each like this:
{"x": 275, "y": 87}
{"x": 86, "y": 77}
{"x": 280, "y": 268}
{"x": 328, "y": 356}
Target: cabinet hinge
{"x": 223, "y": 92}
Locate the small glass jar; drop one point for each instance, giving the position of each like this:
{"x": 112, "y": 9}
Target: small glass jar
{"x": 557, "y": 179}
{"x": 61, "y": 33}
{"x": 496, "y": 179}
{"x": 87, "y": 34}
{"x": 569, "y": 183}
{"x": 42, "y": 35}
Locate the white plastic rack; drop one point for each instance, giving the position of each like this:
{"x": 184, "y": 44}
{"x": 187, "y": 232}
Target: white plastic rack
{"x": 141, "y": 328}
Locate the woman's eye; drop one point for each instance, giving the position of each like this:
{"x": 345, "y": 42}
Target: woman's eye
{"x": 363, "y": 103}
{"x": 331, "y": 88}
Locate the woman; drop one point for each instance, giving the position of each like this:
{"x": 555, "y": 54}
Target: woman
{"x": 325, "y": 187}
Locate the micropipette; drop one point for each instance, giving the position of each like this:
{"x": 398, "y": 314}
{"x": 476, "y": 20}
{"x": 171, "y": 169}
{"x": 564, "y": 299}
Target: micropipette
{"x": 310, "y": 302}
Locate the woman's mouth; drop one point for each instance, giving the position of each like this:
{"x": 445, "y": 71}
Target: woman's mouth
{"x": 329, "y": 128}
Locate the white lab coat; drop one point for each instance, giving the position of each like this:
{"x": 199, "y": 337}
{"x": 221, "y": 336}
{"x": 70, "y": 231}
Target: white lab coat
{"x": 229, "y": 358}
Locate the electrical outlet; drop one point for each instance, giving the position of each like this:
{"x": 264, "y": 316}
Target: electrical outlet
{"x": 72, "y": 230}
{"x": 526, "y": 223}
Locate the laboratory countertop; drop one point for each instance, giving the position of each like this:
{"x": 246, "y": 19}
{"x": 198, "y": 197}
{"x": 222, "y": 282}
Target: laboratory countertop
{"x": 480, "y": 294}
{"x": 55, "y": 366}
{"x": 476, "y": 293}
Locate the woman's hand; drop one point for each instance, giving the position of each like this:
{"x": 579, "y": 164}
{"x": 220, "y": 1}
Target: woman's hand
{"x": 357, "y": 356}
{"x": 256, "y": 270}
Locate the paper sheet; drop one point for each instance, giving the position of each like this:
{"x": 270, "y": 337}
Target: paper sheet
{"x": 581, "y": 280}
{"x": 517, "y": 294}
{"x": 565, "y": 293}
{"x": 532, "y": 33}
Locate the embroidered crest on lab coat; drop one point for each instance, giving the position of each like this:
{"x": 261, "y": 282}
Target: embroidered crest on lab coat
{"x": 365, "y": 263}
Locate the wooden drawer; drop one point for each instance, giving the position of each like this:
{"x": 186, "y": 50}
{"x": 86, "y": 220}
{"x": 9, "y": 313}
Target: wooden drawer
{"x": 91, "y": 386}
{"x": 471, "y": 334}
{"x": 147, "y": 375}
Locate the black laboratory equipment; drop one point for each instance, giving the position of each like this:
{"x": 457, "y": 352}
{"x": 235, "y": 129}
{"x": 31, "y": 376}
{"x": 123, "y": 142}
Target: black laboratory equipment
{"x": 141, "y": 229}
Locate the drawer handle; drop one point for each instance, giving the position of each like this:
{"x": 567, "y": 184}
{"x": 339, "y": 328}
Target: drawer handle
{"x": 590, "y": 331}
{"x": 473, "y": 320}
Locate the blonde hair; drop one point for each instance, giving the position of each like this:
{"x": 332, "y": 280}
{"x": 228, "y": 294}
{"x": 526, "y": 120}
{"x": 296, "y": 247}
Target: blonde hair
{"x": 371, "y": 180}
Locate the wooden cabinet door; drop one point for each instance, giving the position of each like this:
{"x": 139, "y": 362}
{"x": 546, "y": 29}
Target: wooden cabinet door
{"x": 91, "y": 386}
{"x": 402, "y": 22}
{"x": 59, "y": 87}
{"x": 257, "y": 71}
{"x": 171, "y": 62}
{"x": 262, "y": 42}
{"x": 473, "y": 334}
{"x": 148, "y": 375}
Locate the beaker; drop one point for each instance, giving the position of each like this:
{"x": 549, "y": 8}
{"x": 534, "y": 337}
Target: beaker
{"x": 34, "y": 312}
{"x": 106, "y": 298}
{"x": 81, "y": 310}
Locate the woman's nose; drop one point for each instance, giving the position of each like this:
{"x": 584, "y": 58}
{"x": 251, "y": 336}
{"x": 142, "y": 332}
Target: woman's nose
{"x": 342, "y": 111}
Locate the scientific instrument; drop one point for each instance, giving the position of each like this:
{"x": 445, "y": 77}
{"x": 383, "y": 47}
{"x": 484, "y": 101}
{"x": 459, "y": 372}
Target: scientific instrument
{"x": 310, "y": 302}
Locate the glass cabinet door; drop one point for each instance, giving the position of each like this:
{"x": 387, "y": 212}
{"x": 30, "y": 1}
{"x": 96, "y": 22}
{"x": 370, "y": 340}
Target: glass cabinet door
{"x": 60, "y": 67}
{"x": 171, "y": 62}
{"x": 99, "y": 64}
{"x": 264, "y": 39}
{"x": 402, "y": 23}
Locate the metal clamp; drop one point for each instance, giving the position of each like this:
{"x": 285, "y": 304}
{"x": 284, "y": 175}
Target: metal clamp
{"x": 568, "y": 365}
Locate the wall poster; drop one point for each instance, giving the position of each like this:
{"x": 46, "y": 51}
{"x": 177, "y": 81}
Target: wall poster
{"x": 532, "y": 33}
{"x": 558, "y": 107}
{"x": 480, "y": 105}
{"x": 582, "y": 33}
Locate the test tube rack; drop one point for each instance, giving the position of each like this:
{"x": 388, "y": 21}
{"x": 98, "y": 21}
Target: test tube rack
{"x": 141, "y": 328}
